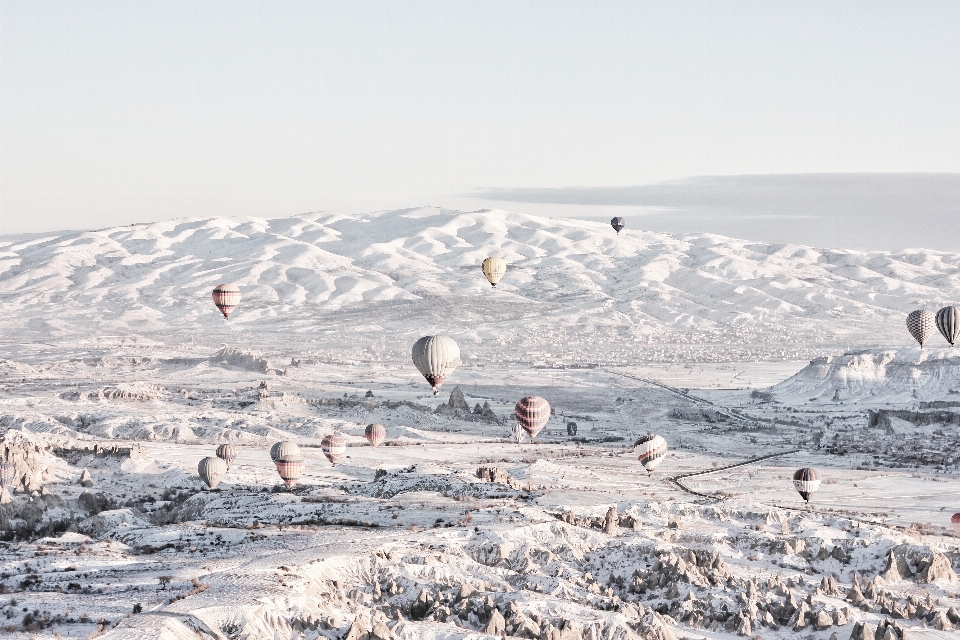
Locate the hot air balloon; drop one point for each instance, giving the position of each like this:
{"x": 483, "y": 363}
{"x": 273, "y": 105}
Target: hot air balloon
{"x": 333, "y": 446}
{"x": 7, "y": 472}
{"x": 948, "y": 321}
{"x": 920, "y": 323}
{"x": 494, "y": 268}
{"x": 212, "y": 470}
{"x": 375, "y": 434}
{"x": 436, "y": 357}
{"x": 806, "y": 482}
{"x": 955, "y": 523}
{"x": 284, "y": 450}
{"x": 618, "y": 223}
{"x": 226, "y": 296}
{"x": 227, "y": 453}
{"x": 650, "y": 450}
{"x": 290, "y": 469}
{"x": 532, "y": 414}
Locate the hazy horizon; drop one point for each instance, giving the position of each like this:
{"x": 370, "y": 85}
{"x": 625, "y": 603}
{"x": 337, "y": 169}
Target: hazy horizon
{"x": 114, "y": 113}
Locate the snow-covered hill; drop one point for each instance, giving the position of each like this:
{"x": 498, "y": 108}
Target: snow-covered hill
{"x": 367, "y": 284}
{"x": 881, "y": 376}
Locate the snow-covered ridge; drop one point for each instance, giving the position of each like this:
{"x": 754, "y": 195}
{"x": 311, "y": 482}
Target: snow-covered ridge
{"x": 323, "y": 268}
{"x": 878, "y": 375}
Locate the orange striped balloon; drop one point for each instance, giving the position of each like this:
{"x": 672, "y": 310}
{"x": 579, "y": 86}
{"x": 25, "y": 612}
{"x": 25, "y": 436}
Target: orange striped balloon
{"x": 226, "y": 296}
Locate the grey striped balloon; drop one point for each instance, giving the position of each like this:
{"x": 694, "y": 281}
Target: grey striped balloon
{"x": 436, "y": 357}
{"x": 211, "y": 470}
{"x": 227, "y": 453}
{"x": 948, "y": 321}
{"x": 920, "y": 324}
{"x": 284, "y": 449}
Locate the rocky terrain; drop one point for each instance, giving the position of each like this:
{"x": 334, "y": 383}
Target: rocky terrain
{"x": 450, "y": 528}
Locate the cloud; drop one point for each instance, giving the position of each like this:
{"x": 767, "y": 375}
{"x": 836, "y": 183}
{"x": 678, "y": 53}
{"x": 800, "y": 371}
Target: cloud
{"x": 855, "y": 210}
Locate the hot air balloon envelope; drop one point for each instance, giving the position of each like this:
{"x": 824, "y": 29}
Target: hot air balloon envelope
{"x": 290, "y": 469}
{"x": 650, "y": 450}
{"x": 226, "y": 296}
{"x": 333, "y": 446}
{"x": 955, "y": 523}
{"x": 806, "y": 482}
{"x": 532, "y": 414}
{"x": 227, "y": 453}
{"x": 618, "y": 223}
{"x": 920, "y": 324}
{"x": 212, "y": 470}
{"x": 436, "y": 357}
{"x": 948, "y": 321}
{"x": 284, "y": 449}
{"x": 494, "y": 268}
{"x": 375, "y": 434}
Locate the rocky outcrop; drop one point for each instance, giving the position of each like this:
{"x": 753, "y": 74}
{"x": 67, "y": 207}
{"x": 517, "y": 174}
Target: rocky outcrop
{"x": 500, "y": 475}
{"x": 701, "y": 568}
{"x": 228, "y": 357}
{"x": 655, "y": 627}
{"x": 922, "y": 564}
{"x": 610, "y": 522}
{"x": 24, "y": 455}
{"x": 497, "y": 624}
{"x": 457, "y": 406}
{"x": 457, "y": 401}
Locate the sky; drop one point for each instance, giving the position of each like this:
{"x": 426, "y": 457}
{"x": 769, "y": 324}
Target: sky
{"x": 121, "y": 112}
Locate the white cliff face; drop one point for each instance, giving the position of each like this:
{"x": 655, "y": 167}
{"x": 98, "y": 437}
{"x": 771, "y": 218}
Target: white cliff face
{"x": 878, "y": 376}
{"x": 25, "y": 455}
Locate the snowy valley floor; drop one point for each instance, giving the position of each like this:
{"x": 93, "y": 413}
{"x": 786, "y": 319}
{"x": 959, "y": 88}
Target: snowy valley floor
{"x": 571, "y": 538}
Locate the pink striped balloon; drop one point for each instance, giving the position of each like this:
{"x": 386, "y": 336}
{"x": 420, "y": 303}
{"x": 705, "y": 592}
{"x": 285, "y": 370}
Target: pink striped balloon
{"x": 375, "y": 434}
{"x": 290, "y": 470}
{"x": 532, "y": 413}
{"x": 334, "y": 446}
{"x": 226, "y": 296}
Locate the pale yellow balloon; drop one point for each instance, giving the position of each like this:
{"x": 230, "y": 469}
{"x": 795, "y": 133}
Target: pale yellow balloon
{"x": 494, "y": 268}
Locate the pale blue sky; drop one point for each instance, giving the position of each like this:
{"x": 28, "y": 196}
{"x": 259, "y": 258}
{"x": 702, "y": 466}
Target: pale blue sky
{"x": 115, "y": 112}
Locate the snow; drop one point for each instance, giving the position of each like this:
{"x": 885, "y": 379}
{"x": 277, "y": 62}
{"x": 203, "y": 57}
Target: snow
{"x": 115, "y": 360}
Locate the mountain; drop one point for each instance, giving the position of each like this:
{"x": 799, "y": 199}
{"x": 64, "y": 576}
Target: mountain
{"x": 877, "y": 376}
{"x": 366, "y": 286}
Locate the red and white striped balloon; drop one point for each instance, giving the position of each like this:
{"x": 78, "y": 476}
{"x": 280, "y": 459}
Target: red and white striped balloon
{"x": 290, "y": 469}
{"x": 226, "y": 296}
{"x": 532, "y": 414}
